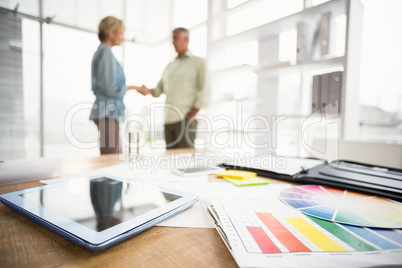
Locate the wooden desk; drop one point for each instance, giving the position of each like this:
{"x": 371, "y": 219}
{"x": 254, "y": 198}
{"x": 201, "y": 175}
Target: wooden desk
{"x": 25, "y": 243}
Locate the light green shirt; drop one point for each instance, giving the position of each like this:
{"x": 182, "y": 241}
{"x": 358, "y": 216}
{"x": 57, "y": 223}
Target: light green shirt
{"x": 186, "y": 85}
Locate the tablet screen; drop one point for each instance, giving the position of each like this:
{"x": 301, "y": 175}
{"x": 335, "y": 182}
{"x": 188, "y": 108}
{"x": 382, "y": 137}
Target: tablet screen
{"x": 100, "y": 203}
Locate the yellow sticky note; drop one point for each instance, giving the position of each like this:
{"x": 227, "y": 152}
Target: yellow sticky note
{"x": 236, "y": 174}
{"x": 247, "y": 182}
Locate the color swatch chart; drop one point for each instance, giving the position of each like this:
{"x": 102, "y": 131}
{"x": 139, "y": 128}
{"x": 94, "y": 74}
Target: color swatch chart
{"x": 269, "y": 226}
{"x": 344, "y": 206}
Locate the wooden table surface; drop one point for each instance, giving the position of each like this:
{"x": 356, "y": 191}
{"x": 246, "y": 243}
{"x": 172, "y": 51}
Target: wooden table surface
{"x": 25, "y": 243}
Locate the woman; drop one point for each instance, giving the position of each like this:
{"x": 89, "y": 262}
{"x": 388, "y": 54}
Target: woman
{"x": 108, "y": 85}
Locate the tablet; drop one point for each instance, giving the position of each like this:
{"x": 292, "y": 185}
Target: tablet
{"x": 98, "y": 212}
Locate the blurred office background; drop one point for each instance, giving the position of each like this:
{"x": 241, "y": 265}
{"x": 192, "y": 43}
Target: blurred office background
{"x": 46, "y": 47}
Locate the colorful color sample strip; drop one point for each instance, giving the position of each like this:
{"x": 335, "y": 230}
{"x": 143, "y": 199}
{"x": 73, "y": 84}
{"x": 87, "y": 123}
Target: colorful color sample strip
{"x": 344, "y": 206}
{"x": 282, "y": 233}
{"x": 262, "y": 239}
{"x": 271, "y": 227}
{"x": 340, "y": 237}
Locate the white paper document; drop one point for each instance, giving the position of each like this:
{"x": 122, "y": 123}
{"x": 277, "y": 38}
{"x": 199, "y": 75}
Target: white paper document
{"x": 14, "y": 171}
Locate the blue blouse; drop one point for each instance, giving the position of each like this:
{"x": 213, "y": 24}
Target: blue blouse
{"x": 108, "y": 85}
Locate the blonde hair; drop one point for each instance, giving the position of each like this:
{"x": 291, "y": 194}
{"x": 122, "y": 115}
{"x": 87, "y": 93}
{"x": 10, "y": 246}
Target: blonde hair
{"x": 109, "y": 25}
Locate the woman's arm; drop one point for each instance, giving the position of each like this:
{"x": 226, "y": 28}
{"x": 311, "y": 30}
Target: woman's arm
{"x": 106, "y": 76}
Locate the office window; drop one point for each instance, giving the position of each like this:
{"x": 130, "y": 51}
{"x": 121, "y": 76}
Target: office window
{"x": 135, "y": 19}
{"x": 289, "y": 94}
{"x": 84, "y": 14}
{"x": 318, "y": 2}
{"x": 12, "y": 129}
{"x": 241, "y": 85}
{"x": 234, "y": 3}
{"x": 19, "y": 89}
{"x": 260, "y": 13}
{"x": 380, "y": 77}
{"x": 31, "y": 84}
{"x": 67, "y": 82}
{"x": 340, "y": 35}
{"x": 189, "y": 13}
{"x": 288, "y": 134}
{"x": 149, "y": 22}
{"x": 235, "y": 66}
{"x": 243, "y": 54}
{"x": 144, "y": 65}
{"x": 287, "y": 46}
{"x": 30, "y": 7}
{"x": 198, "y": 41}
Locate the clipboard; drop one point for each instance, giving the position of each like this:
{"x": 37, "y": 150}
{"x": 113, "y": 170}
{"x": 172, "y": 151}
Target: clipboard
{"x": 369, "y": 179}
{"x": 293, "y": 239}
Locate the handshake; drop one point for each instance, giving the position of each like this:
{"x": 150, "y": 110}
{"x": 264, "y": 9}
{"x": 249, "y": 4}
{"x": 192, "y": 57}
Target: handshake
{"x": 142, "y": 90}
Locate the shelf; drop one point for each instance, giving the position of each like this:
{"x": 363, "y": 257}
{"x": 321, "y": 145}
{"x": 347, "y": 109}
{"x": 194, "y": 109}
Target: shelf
{"x": 274, "y": 28}
{"x": 295, "y": 116}
{"x": 283, "y": 67}
{"x": 234, "y": 100}
{"x": 236, "y": 69}
{"x": 311, "y": 65}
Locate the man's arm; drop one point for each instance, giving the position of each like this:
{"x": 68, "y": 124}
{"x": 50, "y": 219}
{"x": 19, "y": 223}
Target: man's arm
{"x": 192, "y": 114}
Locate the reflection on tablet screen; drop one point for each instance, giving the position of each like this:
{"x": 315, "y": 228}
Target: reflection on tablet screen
{"x": 100, "y": 203}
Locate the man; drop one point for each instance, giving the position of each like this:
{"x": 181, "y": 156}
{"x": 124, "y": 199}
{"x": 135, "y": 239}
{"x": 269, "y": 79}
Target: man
{"x": 186, "y": 86}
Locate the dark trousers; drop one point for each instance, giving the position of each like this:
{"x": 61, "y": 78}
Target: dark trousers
{"x": 180, "y": 135}
{"x": 109, "y": 131}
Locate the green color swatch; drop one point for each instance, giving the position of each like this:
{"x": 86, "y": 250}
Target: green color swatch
{"x": 343, "y": 235}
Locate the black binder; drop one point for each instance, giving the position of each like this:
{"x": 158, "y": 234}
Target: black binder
{"x": 354, "y": 176}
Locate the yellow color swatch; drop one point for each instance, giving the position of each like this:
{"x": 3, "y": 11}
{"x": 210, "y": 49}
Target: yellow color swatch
{"x": 319, "y": 239}
{"x": 236, "y": 174}
{"x": 248, "y": 181}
